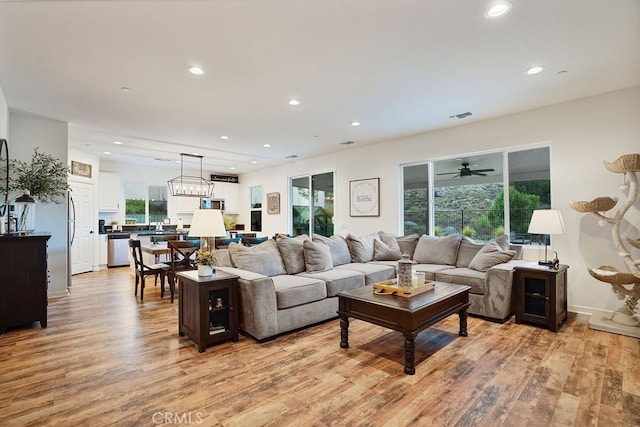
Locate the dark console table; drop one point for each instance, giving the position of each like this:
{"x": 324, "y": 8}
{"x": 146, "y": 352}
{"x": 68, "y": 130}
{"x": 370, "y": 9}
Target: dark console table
{"x": 23, "y": 289}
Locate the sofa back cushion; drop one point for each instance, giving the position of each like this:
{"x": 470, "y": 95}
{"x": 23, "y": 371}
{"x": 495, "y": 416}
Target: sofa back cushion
{"x": 317, "y": 256}
{"x": 467, "y": 250}
{"x": 337, "y": 246}
{"x": 292, "y": 252}
{"x": 407, "y": 243}
{"x": 361, "y": 248}
{"x": 437, "y": 250}
{"x": 262, "y": 259}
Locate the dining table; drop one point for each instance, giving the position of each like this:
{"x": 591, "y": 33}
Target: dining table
{"x": 161, "y": 248}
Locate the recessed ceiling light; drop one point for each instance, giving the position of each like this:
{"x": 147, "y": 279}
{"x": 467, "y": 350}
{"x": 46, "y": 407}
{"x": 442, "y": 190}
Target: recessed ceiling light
{"x": 498, "y": 9}
{"x": 125, "y": 89}
{"x": 253, "y": 162}
{"x": 535, "y": 70}
{"x": 232, "y": 168}
{"x": 107, "y": 152}
{"x": 195, "y": 70}
{"x": 294, "y": 102}
{"x": 355, "y": 123}
{"x": 117, "y": 142}
{"x": 224, "y": 137}
{"x": 267, "y": 145}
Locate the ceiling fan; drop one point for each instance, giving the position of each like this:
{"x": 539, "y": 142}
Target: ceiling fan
{"x": 465, "y": 171}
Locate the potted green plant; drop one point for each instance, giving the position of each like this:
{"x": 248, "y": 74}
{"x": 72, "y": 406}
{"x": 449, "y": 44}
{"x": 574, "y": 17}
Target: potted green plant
{"x": 206, "y": 261}
{"x": 43, "y": 179}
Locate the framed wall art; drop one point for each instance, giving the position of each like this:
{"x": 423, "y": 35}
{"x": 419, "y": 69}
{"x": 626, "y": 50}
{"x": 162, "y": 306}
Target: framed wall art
{"x": 273, "y": 203}
{"x": 364, "y": 195}
{"x": 80, "y": 169}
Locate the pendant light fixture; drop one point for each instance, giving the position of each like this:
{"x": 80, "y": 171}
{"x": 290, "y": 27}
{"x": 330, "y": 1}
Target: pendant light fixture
{"x": 189, "y": 185}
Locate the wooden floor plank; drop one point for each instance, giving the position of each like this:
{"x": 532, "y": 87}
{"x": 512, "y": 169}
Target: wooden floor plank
{"x": 108, "y": 359}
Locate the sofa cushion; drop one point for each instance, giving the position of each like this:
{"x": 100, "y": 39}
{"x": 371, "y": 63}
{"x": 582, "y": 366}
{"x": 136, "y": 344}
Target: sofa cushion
{"x": 296, "y": 290}
{"x": 262, "y": 259}
{"x": 338, "y": 280}
{"x": 491, "y": 254}
{"x": 317, "y": 256}
{"x": 467, "y": 250}
{"x": 430, "y": 270}
{"x": 384, "y": 252}
{"x": 373, "y": 273}
{"x": 437, "y": 250}
{"x": 253, "y": 241}
{"x": 292, "y": 252}
{"x": 361, "y": 248}
{"x": 222, "y": 258}
{"x": 337, "y": 246}
{"x": 407, "y": 243}
{"x": 463, "y": 276}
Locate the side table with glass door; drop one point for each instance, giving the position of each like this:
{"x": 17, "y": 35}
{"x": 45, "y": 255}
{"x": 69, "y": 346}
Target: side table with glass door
{"x": 208, "y": 310}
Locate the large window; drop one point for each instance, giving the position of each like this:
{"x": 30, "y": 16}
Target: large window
{"x": 142, "y": 203}
{"x": 311, "y": 204}
{"x": 466, "y": 194}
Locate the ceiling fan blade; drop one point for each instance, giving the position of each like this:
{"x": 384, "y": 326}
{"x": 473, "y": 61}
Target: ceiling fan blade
{"x": 448, "y": 173}
{"x": 478, "y": 173}
{"x": 484, "y": 170}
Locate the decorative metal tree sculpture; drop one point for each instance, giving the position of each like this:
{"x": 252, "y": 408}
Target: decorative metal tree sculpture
{"x": 625, "y": 284}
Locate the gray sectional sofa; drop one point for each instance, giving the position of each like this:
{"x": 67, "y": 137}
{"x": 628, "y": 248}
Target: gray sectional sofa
{"x": 292, "y": 282}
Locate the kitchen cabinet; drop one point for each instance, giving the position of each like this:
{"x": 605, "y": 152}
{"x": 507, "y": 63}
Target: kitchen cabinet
{"x": 187, "y": 204}
{"x": 103, "y": 251}
{"x": 109, "y": 192}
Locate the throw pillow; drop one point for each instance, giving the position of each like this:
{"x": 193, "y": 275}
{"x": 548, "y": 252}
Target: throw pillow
{"x": 262, "y": 259}
{"x": 491, "y": 254}
{"x": 437, "y": 250}
{"x": 383, "y": 252}
{"x": 407, "y": 243}
{"x": 317, "y": 256}
{"x": 361, "y": 248}
{"x": 292, "y": 253}
{"x": 338, "y": 247}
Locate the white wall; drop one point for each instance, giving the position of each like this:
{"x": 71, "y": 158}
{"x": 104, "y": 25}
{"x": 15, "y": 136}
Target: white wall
{"x": 26, "y": 132}
{"x": 4, "y": 117}
{"x": 582, "y": 134}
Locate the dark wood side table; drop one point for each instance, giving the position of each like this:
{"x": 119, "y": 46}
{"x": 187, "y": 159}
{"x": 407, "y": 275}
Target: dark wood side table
{"x": 25, "y": 278}
{"x": 541, "y": 295}
{"x": 208, "y": 309}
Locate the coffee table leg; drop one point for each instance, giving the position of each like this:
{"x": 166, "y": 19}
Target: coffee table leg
{"x": 344, "y": 331}
{"x": 463, "y": 323}
{"x": 409, "y": 355}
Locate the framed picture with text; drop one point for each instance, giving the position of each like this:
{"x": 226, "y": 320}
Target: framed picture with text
{"x": 273, "y": 203}
{"x": 364, "y": 195}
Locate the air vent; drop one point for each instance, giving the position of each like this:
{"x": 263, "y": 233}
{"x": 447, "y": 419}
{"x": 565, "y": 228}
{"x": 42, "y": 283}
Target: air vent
{"x": 162, "y": 160}
{"x": 347, "y": 143}
{"x": 292, "y": 156}
{"x": 461, "y": 115}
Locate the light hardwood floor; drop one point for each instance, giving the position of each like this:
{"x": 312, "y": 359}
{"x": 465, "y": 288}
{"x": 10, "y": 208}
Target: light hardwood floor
{"x": 107, "y": 359}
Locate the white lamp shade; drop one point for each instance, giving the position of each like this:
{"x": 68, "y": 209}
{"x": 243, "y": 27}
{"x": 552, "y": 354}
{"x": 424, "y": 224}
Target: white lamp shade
{"x": 546, "y": 221}
{"x": 207, "y": 223}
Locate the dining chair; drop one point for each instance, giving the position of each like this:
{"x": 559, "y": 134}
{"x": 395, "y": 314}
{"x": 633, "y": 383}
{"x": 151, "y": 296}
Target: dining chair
{"x": 182, "y": 257}
{"x": 142, "y": 270}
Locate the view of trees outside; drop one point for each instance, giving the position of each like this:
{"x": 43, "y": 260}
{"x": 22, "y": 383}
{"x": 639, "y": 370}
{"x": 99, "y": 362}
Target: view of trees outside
{"x": 477, "y": 210}
{"x": 321, "y": 204}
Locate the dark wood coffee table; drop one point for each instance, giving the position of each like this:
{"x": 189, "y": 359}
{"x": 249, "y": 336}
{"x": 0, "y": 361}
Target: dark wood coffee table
{"x": 407, "y": 315}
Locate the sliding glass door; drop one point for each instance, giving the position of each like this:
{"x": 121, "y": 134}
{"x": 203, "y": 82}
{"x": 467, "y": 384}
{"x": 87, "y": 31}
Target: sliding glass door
{"x": 311, "y": 204}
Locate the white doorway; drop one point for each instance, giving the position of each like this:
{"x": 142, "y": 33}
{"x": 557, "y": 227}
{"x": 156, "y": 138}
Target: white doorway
{"x": 81, "y": 227}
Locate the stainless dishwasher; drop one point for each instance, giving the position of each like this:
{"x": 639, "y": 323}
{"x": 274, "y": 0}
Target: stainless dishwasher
{"x": 118, "y": 250}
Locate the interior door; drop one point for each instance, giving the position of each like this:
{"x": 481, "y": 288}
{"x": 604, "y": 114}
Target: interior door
{"x": 82, "y": 243}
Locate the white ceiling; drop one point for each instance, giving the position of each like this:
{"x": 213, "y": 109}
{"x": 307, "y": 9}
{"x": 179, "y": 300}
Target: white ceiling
{"x": 399, "y": 67}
